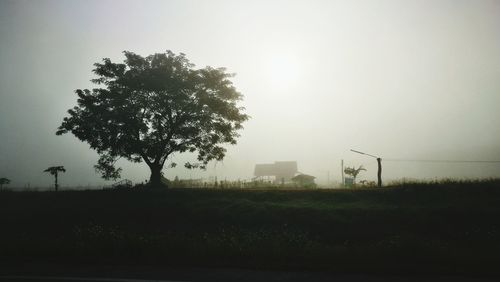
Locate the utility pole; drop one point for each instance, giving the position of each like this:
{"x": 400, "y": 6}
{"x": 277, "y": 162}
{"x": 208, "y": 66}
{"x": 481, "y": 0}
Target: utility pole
{"x": 342, "y": 171}
{"x": 379, "y": 162}
{"x": 379, "y": 172}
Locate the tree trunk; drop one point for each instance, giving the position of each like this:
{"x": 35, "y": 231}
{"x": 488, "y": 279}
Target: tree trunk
{"x": 155, "y": 178}
{"x": 56, "y": 185}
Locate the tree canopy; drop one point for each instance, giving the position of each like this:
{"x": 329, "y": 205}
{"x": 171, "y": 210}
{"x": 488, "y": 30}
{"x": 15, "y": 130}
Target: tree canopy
{"x": 353, "y": 171}
{"x": 149, "y": 108}
{"x": 54, "y": 170}
{"x": 4, "y": 181}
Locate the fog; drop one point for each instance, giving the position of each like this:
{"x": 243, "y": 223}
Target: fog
{"x": 403, "y": 80}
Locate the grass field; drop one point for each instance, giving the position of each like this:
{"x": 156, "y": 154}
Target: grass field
{"x": 448, "y": 227}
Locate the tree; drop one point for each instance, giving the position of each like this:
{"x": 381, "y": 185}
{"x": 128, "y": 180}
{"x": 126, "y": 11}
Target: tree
{"x": 304, "y": 180}
{"x": 54, "y": 170}
{"x": 3, "y": 181}
{"x": 353, "y": 171}
{"x": 152, "y": 107}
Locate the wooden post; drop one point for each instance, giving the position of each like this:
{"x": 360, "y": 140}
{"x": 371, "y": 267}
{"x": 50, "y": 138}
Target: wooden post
{"x": 379, "y": 173}
{"x": 342, "y": 171}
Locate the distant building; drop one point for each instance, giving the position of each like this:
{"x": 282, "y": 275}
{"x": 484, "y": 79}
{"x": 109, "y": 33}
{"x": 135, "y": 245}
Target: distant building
{"x": 304, "y": 180}
{"x": 281, "y": 171}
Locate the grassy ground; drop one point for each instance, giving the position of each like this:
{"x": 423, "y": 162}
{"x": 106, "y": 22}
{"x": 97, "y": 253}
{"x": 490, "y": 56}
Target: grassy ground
{"x": 450, "y": 227}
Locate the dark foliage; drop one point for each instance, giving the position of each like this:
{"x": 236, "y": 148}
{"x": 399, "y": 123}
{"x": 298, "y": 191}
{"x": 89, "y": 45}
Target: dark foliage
{"x": 449, "y": 227}
{"x": 54, "y": 170}
{"x": 4, "y": 181}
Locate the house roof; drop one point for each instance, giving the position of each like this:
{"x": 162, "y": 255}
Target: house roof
{"x": 303, "y": 177}
{"x": 278, "y": 168}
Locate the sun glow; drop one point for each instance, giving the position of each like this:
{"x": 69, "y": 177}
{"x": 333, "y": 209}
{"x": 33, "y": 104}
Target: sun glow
{"x": 282, "y": 70}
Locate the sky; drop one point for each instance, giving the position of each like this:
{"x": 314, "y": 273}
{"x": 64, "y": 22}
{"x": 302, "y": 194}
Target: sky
{"x": 403, "y": 80}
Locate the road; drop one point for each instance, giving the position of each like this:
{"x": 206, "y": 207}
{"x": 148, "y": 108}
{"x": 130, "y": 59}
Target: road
{"x": 58, "y": 273}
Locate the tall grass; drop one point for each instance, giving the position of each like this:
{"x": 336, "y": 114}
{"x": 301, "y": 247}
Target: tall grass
{"x": 449, "y": 227}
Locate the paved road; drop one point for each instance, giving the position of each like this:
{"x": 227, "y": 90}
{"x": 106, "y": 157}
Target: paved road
{"x": 73, "y": 279}
{"x": 336, "y": 278}
{"x": 58, "y": 273}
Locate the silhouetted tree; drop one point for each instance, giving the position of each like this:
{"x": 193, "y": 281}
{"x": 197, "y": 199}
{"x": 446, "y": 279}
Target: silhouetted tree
{"x": 151, "y": 107}
{"x": 353, "y": 171}
{"x": 54, "y": 170}
{"x": 3, "y": 181}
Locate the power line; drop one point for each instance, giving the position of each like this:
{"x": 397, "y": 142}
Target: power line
{"x": 369, "y": 163}
{"x": 440, "y": 161}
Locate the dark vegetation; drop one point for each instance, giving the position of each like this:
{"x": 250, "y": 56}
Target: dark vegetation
{"x": 149, "y": 108}
{"x": 54, "y": 170}
{"x": 448, "y": 227}
{"x": 3, "y": 181}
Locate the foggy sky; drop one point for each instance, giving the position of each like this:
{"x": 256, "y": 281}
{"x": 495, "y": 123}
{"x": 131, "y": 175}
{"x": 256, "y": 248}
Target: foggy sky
{"x": 397, "y": 79}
